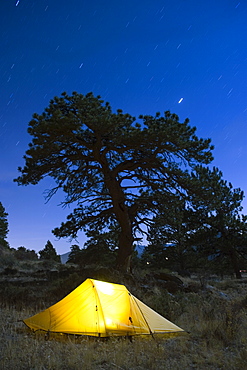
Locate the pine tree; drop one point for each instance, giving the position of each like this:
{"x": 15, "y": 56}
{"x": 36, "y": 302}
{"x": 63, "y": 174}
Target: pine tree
{"x": 3, "y": 227}
{"x": 110, "y": 165}
{"x": 222, "y": 232}
{"x": 49, "y": 253}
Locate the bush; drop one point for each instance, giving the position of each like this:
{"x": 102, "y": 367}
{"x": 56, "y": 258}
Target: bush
{"x": 61, "y": 287}
{"x": 7, "y": 260}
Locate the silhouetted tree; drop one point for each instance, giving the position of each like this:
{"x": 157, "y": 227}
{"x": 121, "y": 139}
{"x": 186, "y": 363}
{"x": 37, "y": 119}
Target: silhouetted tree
{"x": 109, "y": 164}
{"x": 3, "y": 227}
{"x": 170, "y": 238}
{"x": 98, "y": 249}
{"x": 101, "y": 248}
{"x": 75, "y": 254}
{"x": 49, "y": 253}
{"x": 25, "y": 254}
{"x": 202, "y": 229}
{"x": 222, "y": 233}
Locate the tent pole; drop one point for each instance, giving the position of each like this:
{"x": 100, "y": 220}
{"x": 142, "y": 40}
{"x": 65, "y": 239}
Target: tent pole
{"x": 98, "y": 303}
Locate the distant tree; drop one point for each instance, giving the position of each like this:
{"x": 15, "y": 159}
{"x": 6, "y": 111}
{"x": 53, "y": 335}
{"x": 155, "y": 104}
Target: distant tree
{"x": 101, "y": 248}
{"x": 202, "y": 229}
{"x": 224, "y": 241}
{"x": 75, "y": 254}
{"x": 49, "y": 253}
{"x": 25, "y": 254}
{"x": 170, "y": 238}
{"x": 222, "y": 233}
{"x": 3, "y": 227}
{"x": 109, "y": 164}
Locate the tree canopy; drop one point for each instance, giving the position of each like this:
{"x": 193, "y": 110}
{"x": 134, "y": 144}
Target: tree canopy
{"x": 223, "y": 229}
{"x": 205, "y": 231}
{"x": 113, "y": 167}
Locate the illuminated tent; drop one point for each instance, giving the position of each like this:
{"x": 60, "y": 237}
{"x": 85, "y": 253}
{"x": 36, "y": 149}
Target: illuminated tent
{"x": 101, "y": 309}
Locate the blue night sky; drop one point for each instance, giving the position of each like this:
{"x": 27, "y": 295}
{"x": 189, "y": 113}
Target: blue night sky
{"x": 186, "y": 56}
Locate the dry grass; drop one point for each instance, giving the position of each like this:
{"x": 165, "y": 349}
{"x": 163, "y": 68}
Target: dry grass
{"x": 215, "y": 317}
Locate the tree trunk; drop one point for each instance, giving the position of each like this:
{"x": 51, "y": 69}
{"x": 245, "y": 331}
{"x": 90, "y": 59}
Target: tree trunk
{"x": 235, "y": 264}
{"x": 181, "y": 256}
{"x": 121, "y": 212}
{"x": 125, "y": 250}
{"x": 232, "y": 254}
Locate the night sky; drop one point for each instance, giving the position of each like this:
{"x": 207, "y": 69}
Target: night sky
{"x": 186, "y": 56}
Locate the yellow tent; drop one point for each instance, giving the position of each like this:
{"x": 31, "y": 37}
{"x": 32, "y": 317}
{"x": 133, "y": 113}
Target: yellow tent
{"x": 101, "y": 309}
